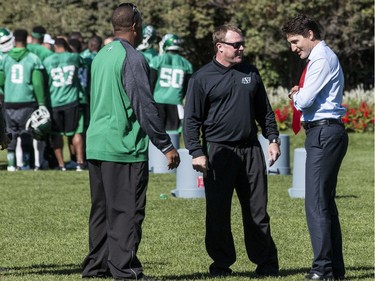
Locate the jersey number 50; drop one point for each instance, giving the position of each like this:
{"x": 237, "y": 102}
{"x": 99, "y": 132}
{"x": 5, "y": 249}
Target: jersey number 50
{"x": 171, "y": 78}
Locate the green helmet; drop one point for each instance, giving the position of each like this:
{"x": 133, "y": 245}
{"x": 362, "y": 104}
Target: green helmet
{"x": 149, "y": 36}
{"x": 6, "y": 40}
{"x": 172, "y": 42}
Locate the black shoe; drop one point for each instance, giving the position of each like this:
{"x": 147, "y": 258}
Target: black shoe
{"x": 220, "y": 272}
{"x": 315, "y": 276}
{"x": 339, "y": 278}
{"x": 267, "y": 270}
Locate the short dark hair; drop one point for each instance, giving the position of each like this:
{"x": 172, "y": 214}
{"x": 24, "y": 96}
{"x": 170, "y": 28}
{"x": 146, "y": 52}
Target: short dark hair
{"x": 20, "y": 35}
{"x": 75, "y": 45}
{"x": 124, "y": 16}
{"x": 95, "y": 43}
{"x": 39, "y": 29}
{"x": 301, "y": 25}
{"x": 61, "y": 42}
{"x": 38, "y": 33}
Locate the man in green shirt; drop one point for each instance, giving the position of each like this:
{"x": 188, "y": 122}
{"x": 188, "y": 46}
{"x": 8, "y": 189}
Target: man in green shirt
{"x": 65, "y": 90}
{"x": 35, "y": 46}
{"x": 146, "y": 47}
{"x": 123, "y": 117}
{"x": 21, "y": 77}
{"x": 170, "y": 73}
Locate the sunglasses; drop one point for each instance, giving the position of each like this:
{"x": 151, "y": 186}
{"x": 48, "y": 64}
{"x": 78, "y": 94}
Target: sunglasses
{"x": 134, "y": 7}
{"x": 235, "y": 45}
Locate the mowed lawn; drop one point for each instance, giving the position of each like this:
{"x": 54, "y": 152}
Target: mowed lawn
{"x": 44, "y": 216}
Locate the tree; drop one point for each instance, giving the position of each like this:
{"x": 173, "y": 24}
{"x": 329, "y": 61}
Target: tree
{"x": 349, "y": 26}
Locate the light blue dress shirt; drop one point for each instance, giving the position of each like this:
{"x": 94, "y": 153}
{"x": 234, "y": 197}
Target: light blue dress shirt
{"x": 322, "y": 92}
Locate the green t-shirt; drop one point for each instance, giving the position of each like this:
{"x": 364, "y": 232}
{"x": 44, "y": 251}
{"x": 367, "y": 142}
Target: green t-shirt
{"x": 39, "y": 50}
{"x": 172, "y": 70}
{"x": 149, "y": 54}
{"x": 63, "y": 82}
{"x": 18, "y": 66}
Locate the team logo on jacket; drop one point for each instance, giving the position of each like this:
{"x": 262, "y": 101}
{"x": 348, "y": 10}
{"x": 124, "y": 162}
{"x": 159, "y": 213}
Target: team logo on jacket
{"x": 246, "y": 80}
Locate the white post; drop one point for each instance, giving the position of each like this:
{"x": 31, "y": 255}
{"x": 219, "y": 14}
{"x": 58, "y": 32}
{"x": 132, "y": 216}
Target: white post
{"x": 157, "y": 163}
{"x": 189, "y": 183}
{"x": 298, "y": 188}
{"x": 282, "y": 165}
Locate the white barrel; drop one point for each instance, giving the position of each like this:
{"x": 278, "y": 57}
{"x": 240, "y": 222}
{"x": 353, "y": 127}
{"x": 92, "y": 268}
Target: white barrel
{"x": 282, "y": 165}
{"x": 189, "y": 183}
{"x": 157, "y": 162}
{"x": 298, "y": 188}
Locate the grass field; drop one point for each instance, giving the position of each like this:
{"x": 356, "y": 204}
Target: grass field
{"x": 44, "y": 215}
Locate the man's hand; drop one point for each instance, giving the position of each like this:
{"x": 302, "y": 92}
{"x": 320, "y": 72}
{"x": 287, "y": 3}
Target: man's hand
{"x": 292, "y": 92}
{"x": 273, "y": 153}
{"x": 173, "y": 159}
{"x": 200, "y": 164}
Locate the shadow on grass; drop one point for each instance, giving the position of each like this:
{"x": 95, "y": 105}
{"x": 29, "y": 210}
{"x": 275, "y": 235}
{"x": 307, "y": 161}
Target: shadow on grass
{"x": 40, "y": 269}
{"x": 283, "y": 274}
{"x": 69, "y": 269}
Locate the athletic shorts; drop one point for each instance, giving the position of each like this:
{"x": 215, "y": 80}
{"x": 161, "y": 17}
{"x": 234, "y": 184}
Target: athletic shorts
{"x": 65, "y": 121}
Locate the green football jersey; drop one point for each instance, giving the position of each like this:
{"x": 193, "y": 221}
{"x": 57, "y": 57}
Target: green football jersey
{"x": 63, "y": 81}
{"x": 39, "y": 50}
{"x": 172, "y": 70}
{"x": 149, "y": 54}
{"x": 18, "y": 66}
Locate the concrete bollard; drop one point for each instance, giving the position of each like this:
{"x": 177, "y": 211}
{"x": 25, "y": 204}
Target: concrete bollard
{"x": 282, "y": 165}
{"x": 189, "y": 183}
{"x": 157, "y": 162}
{"x": 298, "y": 188}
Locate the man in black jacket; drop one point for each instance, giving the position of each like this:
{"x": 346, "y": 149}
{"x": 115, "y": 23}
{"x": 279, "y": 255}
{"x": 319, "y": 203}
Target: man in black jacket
{"x": 225, "y": 99}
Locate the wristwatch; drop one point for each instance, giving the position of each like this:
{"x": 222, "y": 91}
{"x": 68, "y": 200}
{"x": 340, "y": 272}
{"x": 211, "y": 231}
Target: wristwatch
{"x": 276, "y": 140}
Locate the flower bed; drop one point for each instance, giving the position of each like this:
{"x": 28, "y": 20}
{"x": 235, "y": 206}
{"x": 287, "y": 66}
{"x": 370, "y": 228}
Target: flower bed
{"x": 359, "y": 103}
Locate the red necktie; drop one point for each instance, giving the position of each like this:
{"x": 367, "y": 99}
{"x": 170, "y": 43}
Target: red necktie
{"x": 296, "y": 122}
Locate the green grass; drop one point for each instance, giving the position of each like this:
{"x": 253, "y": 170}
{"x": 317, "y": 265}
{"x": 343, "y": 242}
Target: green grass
{"x": 44, "y": 215}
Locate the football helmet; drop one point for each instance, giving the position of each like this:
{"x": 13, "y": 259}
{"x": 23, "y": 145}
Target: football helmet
{"x": 39, "y": 123}
{"x": 6, "y": 40}
{"x": 172, "y": 43}
{"x": 149, "y": 36}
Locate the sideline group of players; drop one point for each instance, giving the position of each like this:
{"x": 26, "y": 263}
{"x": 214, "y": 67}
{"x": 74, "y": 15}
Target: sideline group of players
{"x": 45, "y": 92}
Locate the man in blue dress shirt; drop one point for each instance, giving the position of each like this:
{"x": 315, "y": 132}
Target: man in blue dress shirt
{"x": 319, "y": 97}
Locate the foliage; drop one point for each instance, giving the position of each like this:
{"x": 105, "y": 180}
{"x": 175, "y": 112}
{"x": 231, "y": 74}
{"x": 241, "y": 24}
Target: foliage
{"x": 44, "y": 225}
{"x": 359, "y": 106}
{"x": 348, "y": 25}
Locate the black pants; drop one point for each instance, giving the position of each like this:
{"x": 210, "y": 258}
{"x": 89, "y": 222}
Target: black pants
{"x": 243, "y": 169}
{"x": 118, "y": 201}
{"x": 325, "y": 148}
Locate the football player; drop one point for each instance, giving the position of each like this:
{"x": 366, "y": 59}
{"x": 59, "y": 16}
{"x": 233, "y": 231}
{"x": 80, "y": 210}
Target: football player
{"x": 169, "y": 74}
{"x": 21, "y": 77}
{"x": 146, "y": 47}
{"x": 65, "y": 90}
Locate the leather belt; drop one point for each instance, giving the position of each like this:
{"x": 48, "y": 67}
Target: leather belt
{"x": 312, "y": 124}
